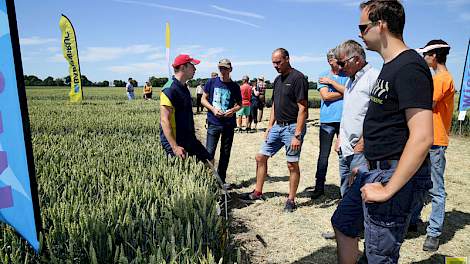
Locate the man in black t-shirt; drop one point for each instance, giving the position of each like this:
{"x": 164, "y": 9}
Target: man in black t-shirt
{"x": 398, "y": 133}
{"x": 286, "y": 126}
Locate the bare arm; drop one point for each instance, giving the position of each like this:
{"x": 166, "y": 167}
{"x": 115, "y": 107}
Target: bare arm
{"x": 301, "y": 116}
{"x": 325, "y": 80}
{"x": 329, "y": 96}
{"x": 420, "y": 125}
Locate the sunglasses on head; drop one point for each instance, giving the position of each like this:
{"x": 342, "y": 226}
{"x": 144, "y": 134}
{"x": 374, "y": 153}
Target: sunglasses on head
{"x": 343, "y": 63}
{"x": 364, "y": 27}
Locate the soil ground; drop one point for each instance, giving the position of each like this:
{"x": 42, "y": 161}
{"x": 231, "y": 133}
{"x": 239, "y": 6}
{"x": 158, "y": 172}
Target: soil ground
{"x": 266, "y": 234}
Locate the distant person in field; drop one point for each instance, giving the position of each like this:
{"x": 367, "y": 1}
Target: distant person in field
{"x": 244, "y": 112}
{"x": 331, "y": 86}
{"x": 255, "y": 102}
{"x": 177, "y": 132}
{"x": 223, "y": 98}
{"x": 286, "y": 127}
{"x": 214, "y": 75}
{"x": 435, "y": 54}
{"x": 130, "y": 89}
{"x": 261, "y": 87}
{"x": 147, "y": 91}
{"x": 199, "y": 93}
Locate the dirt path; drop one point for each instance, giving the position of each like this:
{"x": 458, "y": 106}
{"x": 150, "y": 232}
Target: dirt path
{"x": 268, "y": 235}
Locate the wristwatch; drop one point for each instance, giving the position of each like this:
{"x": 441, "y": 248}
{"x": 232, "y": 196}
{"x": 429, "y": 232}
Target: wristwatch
{"x": 298, "y": 136}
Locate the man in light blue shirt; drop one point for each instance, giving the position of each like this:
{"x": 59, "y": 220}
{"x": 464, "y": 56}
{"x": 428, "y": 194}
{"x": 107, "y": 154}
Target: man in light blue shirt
{"x": 331, "y": 87}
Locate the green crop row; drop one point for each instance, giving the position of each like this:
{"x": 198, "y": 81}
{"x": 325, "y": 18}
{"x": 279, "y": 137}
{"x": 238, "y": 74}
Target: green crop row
{"x": 107, "y": 191}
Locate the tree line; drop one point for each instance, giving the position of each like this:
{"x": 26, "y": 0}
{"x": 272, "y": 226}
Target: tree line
{"x": 32, "y": 80}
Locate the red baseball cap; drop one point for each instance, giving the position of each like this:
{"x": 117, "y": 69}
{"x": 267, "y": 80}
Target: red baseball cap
{"x": 183, "y": 59}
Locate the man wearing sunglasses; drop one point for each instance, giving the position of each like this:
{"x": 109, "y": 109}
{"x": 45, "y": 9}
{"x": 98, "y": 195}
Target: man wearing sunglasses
{"x": 223, "y": 98}
{"x": 351, "y": 58}
{"x": 398, "y": 133}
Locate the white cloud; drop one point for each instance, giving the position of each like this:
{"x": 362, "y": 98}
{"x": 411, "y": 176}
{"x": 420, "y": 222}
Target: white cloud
{"x": 239, "y": 13}
{"x": 465, "y": 16}
{"x": 58, "y": 57}
{"x": 53, "y": 49}
{"x": 350, "y": 3}
{"x": 139, "y": 68}
{"x": 36, "y": 41}
{"x": 190, "y": 11}
{"x": 306, "y": 58}
{"x": 93, "y": 54}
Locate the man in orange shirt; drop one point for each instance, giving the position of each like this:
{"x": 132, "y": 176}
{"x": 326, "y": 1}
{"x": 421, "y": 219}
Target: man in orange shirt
{"x": 435, "y": 54}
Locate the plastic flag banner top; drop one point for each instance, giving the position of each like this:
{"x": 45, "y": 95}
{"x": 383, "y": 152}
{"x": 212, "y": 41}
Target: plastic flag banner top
{"x": 19, "y": 206}
{"x": 464, "y": 103}
{"x": 70, "y": 50}
{"x": 167, "y": 45}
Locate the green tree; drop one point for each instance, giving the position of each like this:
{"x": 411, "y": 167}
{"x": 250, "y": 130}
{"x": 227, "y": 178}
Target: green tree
{"x": 158, "y": 82}
{"x": 31, "y": 80}
{"x": 312, "y": 85}
{"x": 59, "y": 82}
{"x": 119, "y": 83}
{"x": 49, "y": 81}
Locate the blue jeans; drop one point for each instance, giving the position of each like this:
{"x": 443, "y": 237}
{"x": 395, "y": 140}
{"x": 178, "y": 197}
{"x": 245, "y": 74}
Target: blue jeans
{"x": 280, "y": 136}
{"x": 326, "y": 134}
{"x": 214, "y": 132}
{"x": 346, "y": 164}
{"x": 437, "y": 192}
{"x": 130, "y": 95}
{"x": 384, "y": 224}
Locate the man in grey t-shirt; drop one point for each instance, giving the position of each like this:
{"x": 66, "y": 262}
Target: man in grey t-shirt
{"x": 362, "y": 77}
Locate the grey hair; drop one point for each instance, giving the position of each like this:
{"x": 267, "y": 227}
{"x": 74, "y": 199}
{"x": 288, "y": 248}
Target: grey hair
{"x": 331, "y": 54}
{"x": 350, "y": 48}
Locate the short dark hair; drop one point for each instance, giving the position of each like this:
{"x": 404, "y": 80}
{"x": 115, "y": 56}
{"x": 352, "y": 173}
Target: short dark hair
{"x": 283, "y": 51}
{"x": 129, "y": 79}
{"x": 389, "y": 11}
{"x": 441, "y": 54}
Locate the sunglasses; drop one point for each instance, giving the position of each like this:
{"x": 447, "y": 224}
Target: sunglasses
{"x": 343, "y": 63}
{"x": 364, "y": 27}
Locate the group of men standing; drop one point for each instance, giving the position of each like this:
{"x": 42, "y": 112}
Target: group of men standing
{"x": 392, "y": 131}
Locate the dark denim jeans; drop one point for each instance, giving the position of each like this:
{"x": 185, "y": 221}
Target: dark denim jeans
{"x": 326, "y": 134}
{"x": 215, "y": 132}
{"x": 384, "y": 224}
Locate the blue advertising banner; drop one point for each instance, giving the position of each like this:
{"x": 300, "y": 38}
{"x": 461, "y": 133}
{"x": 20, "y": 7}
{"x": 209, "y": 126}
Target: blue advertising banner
{"x": 18, "y": 189}
{"x": 464, "y": 102}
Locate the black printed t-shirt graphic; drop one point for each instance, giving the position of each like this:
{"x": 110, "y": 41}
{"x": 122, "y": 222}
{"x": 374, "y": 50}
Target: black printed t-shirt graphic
{"x": 405, "y": 82}
{"x": 288, "y": 91}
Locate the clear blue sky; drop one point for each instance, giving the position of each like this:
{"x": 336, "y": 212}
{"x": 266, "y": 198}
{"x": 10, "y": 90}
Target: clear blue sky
{"x": 122, "y": 38}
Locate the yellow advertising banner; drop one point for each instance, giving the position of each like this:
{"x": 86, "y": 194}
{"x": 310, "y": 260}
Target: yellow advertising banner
{"x": 70, "y": 50}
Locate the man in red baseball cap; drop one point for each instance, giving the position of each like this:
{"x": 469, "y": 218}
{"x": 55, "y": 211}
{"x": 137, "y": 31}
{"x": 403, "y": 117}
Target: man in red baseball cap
{"x": 177, "y": 132}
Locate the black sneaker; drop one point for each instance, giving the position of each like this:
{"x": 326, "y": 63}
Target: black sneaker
{"x": 431, "y": 243}
{"x": 317, "y": 193}
{"x": 413, "y": 228}
{"x": 290, "y": 206}
{"x": 250, "y": 197}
